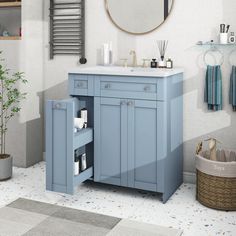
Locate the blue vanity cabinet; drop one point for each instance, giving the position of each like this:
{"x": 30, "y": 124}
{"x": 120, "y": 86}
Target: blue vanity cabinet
{"x": 135, "y": 137}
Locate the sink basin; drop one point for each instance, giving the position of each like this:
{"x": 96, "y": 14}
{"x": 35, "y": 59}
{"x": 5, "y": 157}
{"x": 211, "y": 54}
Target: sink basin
{"x": 126, "y": 71}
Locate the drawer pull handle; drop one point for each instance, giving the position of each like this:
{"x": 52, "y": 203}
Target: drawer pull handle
{"x": 57, "y": 106}
{"x": 147, "y": 88}
{"x": 107, "y": 86}
{"x": 79, "y": 85}
{"x": 130, "y": 103}
{"x": 122, "y": 103}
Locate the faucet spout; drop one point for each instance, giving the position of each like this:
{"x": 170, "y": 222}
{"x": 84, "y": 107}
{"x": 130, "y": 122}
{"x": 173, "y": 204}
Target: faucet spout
{"x": 134, "y": 60}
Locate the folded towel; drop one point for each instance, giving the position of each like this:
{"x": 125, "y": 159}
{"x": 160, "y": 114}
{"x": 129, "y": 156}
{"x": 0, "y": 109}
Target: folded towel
{"x": 232, "y": 88}
{"x": 213, "y": 88}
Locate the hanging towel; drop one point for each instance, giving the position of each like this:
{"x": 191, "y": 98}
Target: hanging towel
{"x": 232, "y": 88}
{"x": 213, "y": 88}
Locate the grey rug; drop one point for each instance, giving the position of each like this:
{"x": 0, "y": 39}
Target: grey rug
{"x": 32, "y": 218}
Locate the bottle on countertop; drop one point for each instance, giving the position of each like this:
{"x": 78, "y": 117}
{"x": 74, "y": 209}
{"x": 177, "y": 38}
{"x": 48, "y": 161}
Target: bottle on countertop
{"x": 153, "y": 63}
{"x": 110, "y": 53}
{"x": 232, "y": 38}
{"x": 169, "y": 63}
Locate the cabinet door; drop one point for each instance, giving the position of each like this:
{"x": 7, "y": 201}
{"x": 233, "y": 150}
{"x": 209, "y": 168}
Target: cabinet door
{"x": 61, "y": 142}
{"x": 110, "y": 141}
{"x": 142, "y": 144}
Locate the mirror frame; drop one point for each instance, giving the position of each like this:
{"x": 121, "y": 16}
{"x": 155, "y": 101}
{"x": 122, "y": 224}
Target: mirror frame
{"x": 147, "y": 32}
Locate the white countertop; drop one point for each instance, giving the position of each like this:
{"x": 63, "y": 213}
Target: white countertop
{"x": 126, "y": 71}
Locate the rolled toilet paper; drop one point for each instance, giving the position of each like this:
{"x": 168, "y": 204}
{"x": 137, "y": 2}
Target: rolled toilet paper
{"x": 78, "y": 123}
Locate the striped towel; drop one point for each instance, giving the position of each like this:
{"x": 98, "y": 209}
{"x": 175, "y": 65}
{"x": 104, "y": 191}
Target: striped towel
{"x": 213, "y": 88}
{"x": 232, "y": 88}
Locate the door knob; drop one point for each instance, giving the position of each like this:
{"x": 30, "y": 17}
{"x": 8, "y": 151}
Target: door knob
{"x": 130, "y": 103}
{"x": 57, "y": 106}
{"x": 79, "y": 85}
{"x": 146, "y": 88}
{"x": 107, "y": 86}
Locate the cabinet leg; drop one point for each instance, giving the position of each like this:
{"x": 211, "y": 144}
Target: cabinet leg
{"x": 164, "y": 198}
{"x": 70, "y": 190}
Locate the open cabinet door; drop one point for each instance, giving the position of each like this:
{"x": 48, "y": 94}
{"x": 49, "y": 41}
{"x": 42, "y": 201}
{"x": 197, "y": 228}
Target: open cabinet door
{"x": 61, "y": 143}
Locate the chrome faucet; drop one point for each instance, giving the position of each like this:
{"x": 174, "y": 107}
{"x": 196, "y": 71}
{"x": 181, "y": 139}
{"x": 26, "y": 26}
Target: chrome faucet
{"x": 133, "y": 53}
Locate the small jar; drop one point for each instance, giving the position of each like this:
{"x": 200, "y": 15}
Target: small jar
{"x": 169, "y": 63}
{"x": 232, "y": 38}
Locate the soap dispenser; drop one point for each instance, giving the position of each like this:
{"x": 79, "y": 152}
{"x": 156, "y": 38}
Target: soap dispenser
{"x": 153, "y": 63}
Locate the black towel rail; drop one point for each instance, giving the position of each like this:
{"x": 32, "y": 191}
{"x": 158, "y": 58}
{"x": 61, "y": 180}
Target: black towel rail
{"x": 67, "y": 28}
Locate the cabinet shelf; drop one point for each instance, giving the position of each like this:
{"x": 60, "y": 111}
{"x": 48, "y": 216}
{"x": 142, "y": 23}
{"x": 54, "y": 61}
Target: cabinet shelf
{"x": 10, "y": 37}
{"x": 10, "y": 4}
{"x": 83, "y": 137}
{"x": 86, "y": 174}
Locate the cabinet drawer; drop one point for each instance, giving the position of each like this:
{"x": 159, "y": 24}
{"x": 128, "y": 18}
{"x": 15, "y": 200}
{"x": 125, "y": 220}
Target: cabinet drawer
{"x": 61, "y": 144}
{"x": 81, "y": 85}
{"x": 128, "y": 89}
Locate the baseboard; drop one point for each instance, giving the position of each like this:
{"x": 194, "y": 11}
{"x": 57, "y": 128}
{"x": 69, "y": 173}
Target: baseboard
{"x": 189, "y": 177}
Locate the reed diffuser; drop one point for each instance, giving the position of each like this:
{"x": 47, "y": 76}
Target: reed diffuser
{"x": 162, "y": 46}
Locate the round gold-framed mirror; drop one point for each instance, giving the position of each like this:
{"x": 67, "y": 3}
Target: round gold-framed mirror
{"x": 138, "y": 16}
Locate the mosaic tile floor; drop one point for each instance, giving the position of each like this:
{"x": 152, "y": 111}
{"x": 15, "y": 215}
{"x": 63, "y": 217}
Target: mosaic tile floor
{"x": 182, "y": 211}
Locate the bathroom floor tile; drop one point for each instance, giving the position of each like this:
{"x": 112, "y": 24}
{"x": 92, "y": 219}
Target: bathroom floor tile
{"x": 182, "y": 211}
{"x": 104, "y": 199}
{"x": 134, "y": 228}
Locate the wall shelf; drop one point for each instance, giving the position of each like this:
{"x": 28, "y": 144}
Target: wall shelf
{"x": 216, "y": 44}
{"x": 10, "y": 37}
{"x": 10, "y": 4}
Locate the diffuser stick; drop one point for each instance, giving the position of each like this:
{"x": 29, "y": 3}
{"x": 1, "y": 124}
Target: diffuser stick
{"x": 162, "y": 46}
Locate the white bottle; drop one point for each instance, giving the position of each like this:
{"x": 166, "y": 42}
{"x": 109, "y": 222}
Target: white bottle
{"x": 83, "y": 162}
{"x": 105, "y": 54}
{"x": 76, "y": 166}
{"x": 84, "y": 116}
{"x": 110, "y": 54}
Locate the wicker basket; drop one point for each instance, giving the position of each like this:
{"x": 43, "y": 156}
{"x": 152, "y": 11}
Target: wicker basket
{"x": 216, "y": 184}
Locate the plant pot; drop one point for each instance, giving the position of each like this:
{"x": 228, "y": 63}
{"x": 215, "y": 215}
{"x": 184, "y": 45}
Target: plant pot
{"x": 5, "y": 167}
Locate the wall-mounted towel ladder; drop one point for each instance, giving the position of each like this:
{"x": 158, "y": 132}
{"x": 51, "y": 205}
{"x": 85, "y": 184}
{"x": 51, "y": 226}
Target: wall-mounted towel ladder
{"x": 67, "y": 28}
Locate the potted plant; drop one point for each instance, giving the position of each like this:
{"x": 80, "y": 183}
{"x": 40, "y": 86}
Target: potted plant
{"x": 10, "y": 97}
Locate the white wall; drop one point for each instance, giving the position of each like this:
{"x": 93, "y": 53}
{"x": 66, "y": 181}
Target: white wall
{"x": 24, "y": 139}
{"x": 189, "y": 22}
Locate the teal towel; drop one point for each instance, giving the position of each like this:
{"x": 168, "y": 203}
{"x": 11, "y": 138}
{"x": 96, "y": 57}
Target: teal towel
{"x": 232, "y": 88}
{"x": 213, "y": 88}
